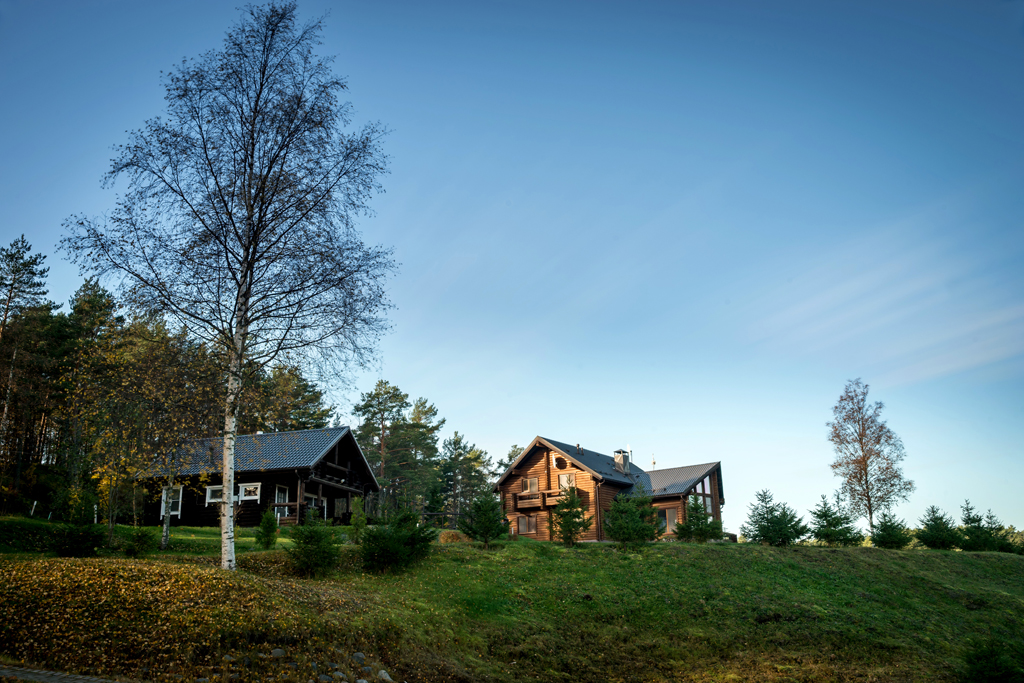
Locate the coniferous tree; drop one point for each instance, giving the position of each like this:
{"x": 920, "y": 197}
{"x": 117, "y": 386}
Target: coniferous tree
{"x": 632, "y": 520}
{"x": 484, "y": 521}
{"x": 937, "y": 530}
{"x": 772, "y": 523}
{"x": 891, "y": 533}
{"x": 834, "y": 526}
{"x": 698, "y": 527}
{"x": 569, "y": 519}
{"x": 463, "y": 468}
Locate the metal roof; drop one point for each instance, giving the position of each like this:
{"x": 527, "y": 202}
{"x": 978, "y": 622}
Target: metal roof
{"x": 268, "y": 451}
{"x": 669, "y": 481}
{"x": 678, "y": 480}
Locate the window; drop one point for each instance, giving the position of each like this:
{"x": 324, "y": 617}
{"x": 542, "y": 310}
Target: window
{"x": 174, "y": 493}
{"x": 249, "y": 492}
{"x": 667, "y": 518}
{"x": 566, "y": 480}
{"x": 340, "y": 506}
{"x": 528, "y": 525}
{"x": 214, "y": 494}
{"x": 531, "y": 485}
{"x": 281, "y": 496}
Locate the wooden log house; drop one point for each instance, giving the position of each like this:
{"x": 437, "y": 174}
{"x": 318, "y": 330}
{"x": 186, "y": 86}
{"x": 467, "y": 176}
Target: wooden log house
{"x": 318, "y": 470}
{"x": 536, "y": 481}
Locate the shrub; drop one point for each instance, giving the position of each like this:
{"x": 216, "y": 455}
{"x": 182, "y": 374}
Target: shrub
{"x": 485, "y": 520}
{"x": 266, "y": 532}
{"x": 834, "y": 526}
{"x": 140, "y": 541}
{"x": 937, "y": 531}
{"x": 451, "y": 536}
{"x": 313, "y": 551}
{"x": 983, "y": 533}
{"x": 358, "y": 522}
{"x": 772, "y": 523}
{"x": 698, "y": 526}
{"x": 891, "y": 533}
{"x": 71, "y": 540}
{"x": 27, "y": 535}
{"x": 396, "y": 544}
{"x": 992, "y": 662}
{"x": 632, "y": 521}
{"x": 569, "y": 519}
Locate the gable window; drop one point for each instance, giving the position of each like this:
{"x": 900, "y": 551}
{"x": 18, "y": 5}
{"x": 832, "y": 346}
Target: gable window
{"x": 531, "y": 485}
{"x": 528, "y": 525}
{"x": 214, "y": 494}
{"x": 566, "y": 480}
{"x": 249, "y": 492}
{"x": 174, "y": 494}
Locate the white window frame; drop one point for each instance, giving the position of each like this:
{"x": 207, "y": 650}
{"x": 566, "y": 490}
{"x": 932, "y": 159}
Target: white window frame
{"x": 241, "y": 491}
{"x": 210, "y": 498}
{"x": 570, "y": 478}
{"x": 163, "y": 501}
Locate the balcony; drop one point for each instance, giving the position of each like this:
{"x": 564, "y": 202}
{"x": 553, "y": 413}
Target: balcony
{"x": 529, "y": 500}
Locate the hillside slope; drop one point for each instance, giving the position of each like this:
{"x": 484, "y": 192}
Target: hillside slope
{"x": 530, "y": 611}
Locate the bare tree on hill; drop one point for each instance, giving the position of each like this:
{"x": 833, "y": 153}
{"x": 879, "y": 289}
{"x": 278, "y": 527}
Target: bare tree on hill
{"x": 237, "y": 221}
{"x": 868, "y": 454}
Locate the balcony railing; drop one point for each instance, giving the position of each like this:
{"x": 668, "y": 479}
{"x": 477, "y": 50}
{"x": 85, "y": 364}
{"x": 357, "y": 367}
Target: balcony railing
{"x": 529, "y": 500}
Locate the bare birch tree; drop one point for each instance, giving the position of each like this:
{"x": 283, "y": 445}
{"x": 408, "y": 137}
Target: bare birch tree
{"x": 868, "y": 454}
{"x": 237, "y": 220}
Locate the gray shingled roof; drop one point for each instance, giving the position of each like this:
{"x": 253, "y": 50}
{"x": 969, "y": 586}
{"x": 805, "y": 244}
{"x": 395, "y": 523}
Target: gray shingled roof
{"x": 260, "y": 452}
{"x": 669, "y": 481}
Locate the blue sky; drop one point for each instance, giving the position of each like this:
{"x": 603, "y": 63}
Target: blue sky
{"x": 679, "y": 226}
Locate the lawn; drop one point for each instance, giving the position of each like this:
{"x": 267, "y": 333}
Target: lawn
{"x": 524, "y": 611}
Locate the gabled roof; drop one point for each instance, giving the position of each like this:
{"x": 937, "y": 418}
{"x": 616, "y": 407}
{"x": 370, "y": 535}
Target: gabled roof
{"x": 598, "y": 464}
{"x": 269, "y": 451}
{"x": 670, "y": 481}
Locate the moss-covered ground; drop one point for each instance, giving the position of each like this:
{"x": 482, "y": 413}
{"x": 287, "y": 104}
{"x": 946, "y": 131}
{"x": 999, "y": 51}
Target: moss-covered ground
{"x": 524, "y": 611}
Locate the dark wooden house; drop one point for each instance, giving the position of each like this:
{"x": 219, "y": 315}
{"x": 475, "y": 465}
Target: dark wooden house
{"x": 318, "y": 470}
{"x": 536, "y": 481}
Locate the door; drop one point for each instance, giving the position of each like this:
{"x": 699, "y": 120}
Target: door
{"x": 281, "y": 496}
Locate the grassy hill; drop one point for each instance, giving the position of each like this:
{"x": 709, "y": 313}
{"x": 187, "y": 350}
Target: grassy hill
{"x": 526, "y": 611}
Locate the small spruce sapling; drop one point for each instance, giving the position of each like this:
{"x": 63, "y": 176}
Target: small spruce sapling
{"x": 834, "y": 526}
{"x": 698, "y": 527}
{"x": 772, "y": 523}
{"x": 937, "y": 531}
{"x": 632, "y": 521}
{"x": 569, "y": 518}
{"x": 313, "y": 551}
{"x": 357, "y": 525}
{"x": 891, "y": 533}
{"x": 266, "y": 532}
{"x": 484, "y": 521}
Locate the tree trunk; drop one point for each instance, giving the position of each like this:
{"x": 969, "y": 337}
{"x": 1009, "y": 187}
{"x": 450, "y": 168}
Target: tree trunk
{"x": 227, "y": 505}
{"x": 165, "y": 538}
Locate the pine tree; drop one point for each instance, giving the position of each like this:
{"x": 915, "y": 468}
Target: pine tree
{"x": 937, "y": 531}
{"x": 484, "y": 521}
{"x": 833, "y": 526}
{"x": 698, "y": 527}
{"x": 632, "y": 520}
{"x": 569, "y": 519}
{"x": 772, "y": 523}
{"x": 891, "y": 533}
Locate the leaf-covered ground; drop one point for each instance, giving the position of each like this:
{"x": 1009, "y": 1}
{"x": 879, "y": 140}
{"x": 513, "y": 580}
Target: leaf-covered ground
{"x": 525, "y": 611}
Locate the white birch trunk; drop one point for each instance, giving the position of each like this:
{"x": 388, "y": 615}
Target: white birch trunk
{"x": 165, "y": 537}
{"x": 227, "y": 516}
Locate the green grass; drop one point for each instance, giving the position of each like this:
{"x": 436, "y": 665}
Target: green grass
{"x": 535, "y": 611}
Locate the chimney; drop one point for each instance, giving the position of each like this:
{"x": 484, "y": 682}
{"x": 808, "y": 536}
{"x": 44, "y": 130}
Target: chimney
{"x": 622, "y": 461}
